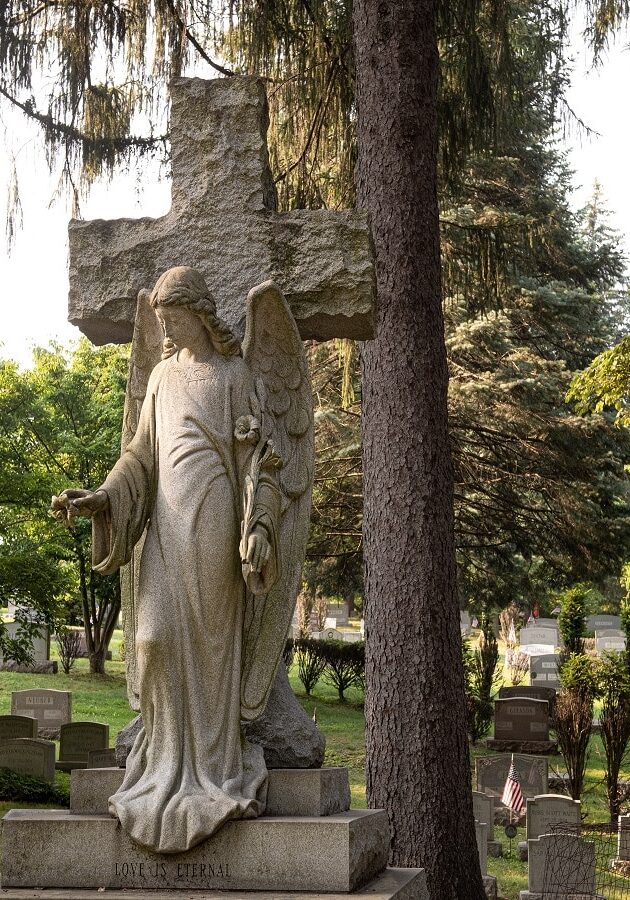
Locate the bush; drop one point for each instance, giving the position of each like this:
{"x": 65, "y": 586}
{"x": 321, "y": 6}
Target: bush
{"x": 310, "y": 661}
{"x": 571, "y": 620}
{"x": 614, "y": 689}
{"x": 345, "y": 664}
{"x": 573, "y": 717}
{"x": 288, "y": 653}
{"x": 482, "y": 683}
{"x": 26, "y": 789}
{"x": 69, "y": 646}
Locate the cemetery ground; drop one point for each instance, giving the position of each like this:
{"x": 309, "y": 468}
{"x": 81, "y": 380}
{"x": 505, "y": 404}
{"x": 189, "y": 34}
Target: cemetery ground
{"x": 104, "y": 699}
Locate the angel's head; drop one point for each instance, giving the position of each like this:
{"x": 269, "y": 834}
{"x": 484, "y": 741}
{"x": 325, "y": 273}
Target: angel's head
{"x": 183, "y": 293}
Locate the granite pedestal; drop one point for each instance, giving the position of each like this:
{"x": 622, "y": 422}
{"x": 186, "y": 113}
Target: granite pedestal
{"x": 308, "y": 843}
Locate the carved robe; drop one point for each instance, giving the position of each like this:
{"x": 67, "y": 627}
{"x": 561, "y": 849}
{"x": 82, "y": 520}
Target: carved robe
{"x": 190, "y": 769}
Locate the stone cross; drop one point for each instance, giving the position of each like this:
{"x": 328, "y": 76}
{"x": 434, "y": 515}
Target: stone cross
{"x": 223, "y": 222}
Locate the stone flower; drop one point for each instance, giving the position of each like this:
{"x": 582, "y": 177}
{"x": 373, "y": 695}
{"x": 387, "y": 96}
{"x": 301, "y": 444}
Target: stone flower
{"x": 247, "y": 429}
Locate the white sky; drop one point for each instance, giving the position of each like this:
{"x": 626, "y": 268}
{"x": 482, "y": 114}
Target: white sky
{"x": 34, "y": 276}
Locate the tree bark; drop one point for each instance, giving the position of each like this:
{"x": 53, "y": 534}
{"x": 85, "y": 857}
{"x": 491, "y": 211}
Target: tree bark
{"x": 417, "y": 751}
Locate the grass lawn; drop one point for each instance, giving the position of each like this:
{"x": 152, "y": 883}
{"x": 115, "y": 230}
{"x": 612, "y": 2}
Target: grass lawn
{"x": 103, "y": 699}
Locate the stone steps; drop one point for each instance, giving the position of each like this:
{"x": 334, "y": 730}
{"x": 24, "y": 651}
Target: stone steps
{"x": 392, "y": 884}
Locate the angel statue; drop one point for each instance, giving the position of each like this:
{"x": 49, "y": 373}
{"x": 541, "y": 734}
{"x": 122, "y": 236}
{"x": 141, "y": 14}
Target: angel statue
{"x": 217, "y": 484}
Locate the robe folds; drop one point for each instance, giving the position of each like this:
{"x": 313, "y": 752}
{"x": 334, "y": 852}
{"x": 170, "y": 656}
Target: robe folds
{"x": 190, "y": 769}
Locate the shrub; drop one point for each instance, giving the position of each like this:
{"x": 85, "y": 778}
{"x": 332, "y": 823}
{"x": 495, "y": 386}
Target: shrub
{"x": 26, "y": 789}
{"x": 571, "y": 620}
{"x": 345, "y": 664}
{"x": 311, "y": 662}
{"x": 614, "y": 690}
{"x": 68, "y": 645}
{"x": 288, "y": 653}
{"x": 482, "y": 683}
{"x": 573, "y": 717}
{"x": 518, "y": 667}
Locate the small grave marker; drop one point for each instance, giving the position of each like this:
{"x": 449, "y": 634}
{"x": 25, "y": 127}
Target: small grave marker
{"x": 29, "y": 756}
{"x": 76, "y": 739}
{"x": 12, "y": 727}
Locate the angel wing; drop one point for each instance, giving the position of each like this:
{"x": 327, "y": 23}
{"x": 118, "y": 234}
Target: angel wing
{"x": 274, "y": 352}
{"x": 146, "y": 351}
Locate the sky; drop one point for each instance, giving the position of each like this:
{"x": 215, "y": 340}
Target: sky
{"x": 34, "y": 274}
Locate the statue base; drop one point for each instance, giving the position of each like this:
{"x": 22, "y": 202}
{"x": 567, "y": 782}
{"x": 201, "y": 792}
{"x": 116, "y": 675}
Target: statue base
{"x": 311, "y": 843}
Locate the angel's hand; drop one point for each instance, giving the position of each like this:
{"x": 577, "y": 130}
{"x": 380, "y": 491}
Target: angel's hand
{"x": 77, "y": 502}
{"x": 258, "y": 549}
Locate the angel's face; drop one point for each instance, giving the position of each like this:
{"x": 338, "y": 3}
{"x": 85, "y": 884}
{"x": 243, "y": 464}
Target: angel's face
{"x": 181, "y": 326}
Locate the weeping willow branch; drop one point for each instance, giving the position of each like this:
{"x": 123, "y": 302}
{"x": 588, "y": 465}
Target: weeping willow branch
{"x": 61, "y": 129}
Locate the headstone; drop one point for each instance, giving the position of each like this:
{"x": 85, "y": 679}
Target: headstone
{"x": 547, "y": 623}
{"x": 29, "y": 756}
{"x": 547, "y": 810}
{"x": 40, "y": 645}
{"x": 28, "y": 612}
{"x": 602, "y": 621}
{"x": 464, "y": 622}
{"x": 623, "y": 840}
{"x": 338, "y": 611}
{"x": 562, "y": 866}
{"x": 491, "y": 773}
{"x": 543, "y": 670}
{"x": 613, "y": 643}
{"x": 521, "y": 719}
{"x": 12, "y": 727}
{"x": 330, "y": 622}
{"x": 535, "y": 636}
{"x": 483, "y": 811}
{"x": 352, "y": 637}
{"x": 83, "y": 649}
{"x": 102, "y": 759}
{"x": 534, "y": 692}
{"x": 481, "y": 834}
{"x": 76, "y": 739}
{"x": 329, "y": 634}
{"x": 52, "y": 709}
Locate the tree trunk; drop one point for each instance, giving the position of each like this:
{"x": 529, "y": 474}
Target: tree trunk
{"x": 97, "y": 660}
{"x": 417, "y": 751}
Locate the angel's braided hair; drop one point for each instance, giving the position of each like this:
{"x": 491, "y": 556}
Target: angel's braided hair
{"x": 185, "y": 287}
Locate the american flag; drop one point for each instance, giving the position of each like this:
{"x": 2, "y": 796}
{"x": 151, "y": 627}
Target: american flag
{"x": 512, "y": 793}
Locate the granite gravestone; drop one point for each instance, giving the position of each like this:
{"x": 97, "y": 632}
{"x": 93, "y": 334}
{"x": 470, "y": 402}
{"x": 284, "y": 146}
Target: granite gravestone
{"x": 543, "y": 670}
{"x": 102, "y": 759}
{"x": 611, "y": 640}
{"x": 521, "y": 719}
{"x": 76, "y": 739}
{"x": 51, "y": 708}
{"x": 12, "y": 727}
{"x": 601, "y": 622}
{"x": 560, "y": 866}
{"x": 533, "y": 692}
{"x": 491, "y": 773}
{"x": 544, "y": 814}
{"x": 481, "y": 835}
{"x": 623, "y": 839}
{"x": 215, "y": 148}
{"x": 465, "y": 624}
{"x": 40, "y": 651}
{"x": 547, "y": 810}
{"x": 534, "y": 636}
{"x": 338, "y": 611}
{"x": 483, "y": 811}
{"x": 34, "y": 757}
